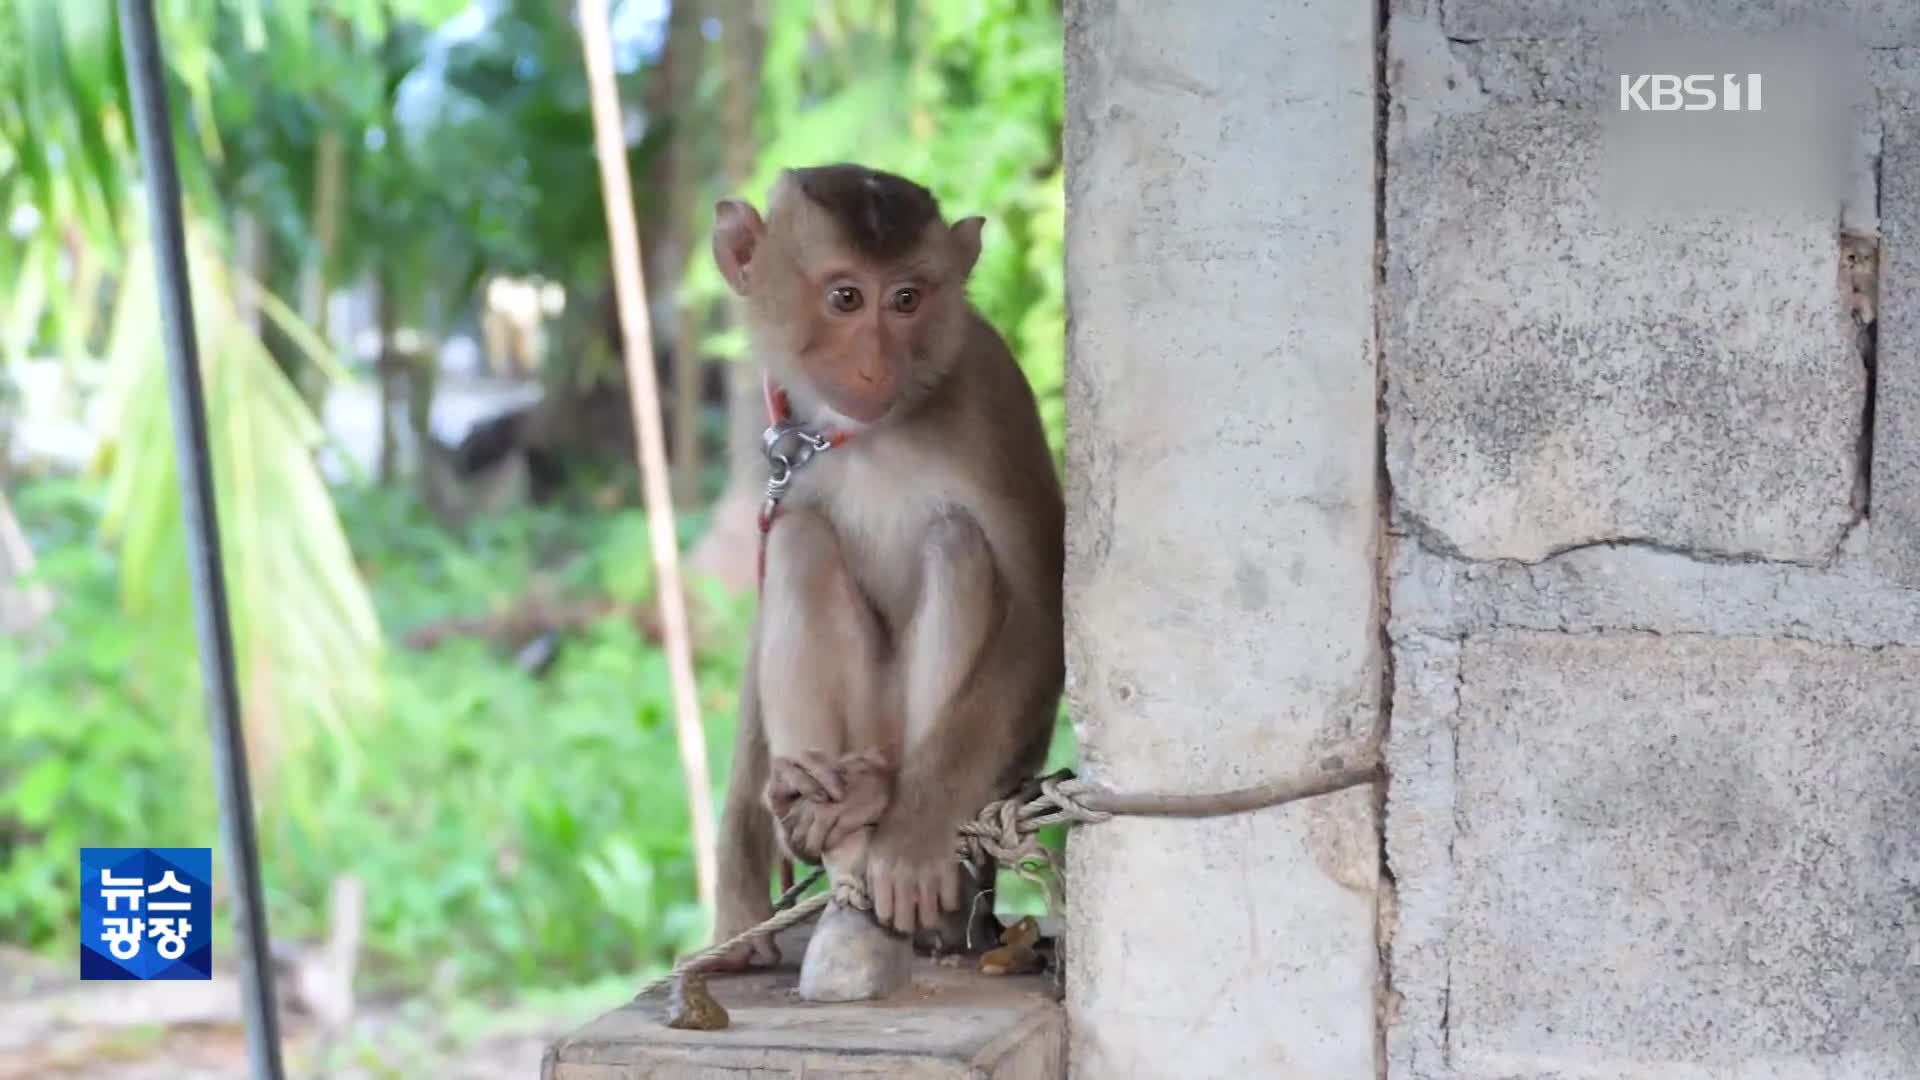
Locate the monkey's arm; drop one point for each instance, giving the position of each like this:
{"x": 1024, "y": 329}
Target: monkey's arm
{"x": 974, "y": 662}
{"x": 746, "y": 830}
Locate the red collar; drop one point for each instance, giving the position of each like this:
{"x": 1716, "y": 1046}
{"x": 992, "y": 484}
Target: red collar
{"x": 780, "y": 409}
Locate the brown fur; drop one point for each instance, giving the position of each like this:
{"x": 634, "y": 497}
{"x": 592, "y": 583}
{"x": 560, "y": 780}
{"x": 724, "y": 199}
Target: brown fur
{"x": 881, "y": 216}
{"x": 912, "y": 605}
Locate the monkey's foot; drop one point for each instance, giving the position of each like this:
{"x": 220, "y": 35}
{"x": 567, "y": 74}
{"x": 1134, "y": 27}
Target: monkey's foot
{"x": 851, "y": 958}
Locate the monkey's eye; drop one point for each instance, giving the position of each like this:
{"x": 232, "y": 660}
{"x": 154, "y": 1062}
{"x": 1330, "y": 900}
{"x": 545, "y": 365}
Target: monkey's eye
{"x": 906, "y": 300}
{"x": 845, "y": 298}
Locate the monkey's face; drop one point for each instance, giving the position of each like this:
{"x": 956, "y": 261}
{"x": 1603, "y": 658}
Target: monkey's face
{"x": 855, "y": 288}
{"x": 865, "y": 336}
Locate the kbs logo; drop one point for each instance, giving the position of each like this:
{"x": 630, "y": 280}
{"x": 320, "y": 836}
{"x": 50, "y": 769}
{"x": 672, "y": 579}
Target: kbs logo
{"x": 1691, "y": 93}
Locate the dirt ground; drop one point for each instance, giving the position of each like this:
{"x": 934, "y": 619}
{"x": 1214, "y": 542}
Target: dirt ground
{"x": 54, "y": 1027}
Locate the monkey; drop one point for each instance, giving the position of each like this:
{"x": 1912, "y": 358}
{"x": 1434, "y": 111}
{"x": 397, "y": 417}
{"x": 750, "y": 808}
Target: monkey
{"x": 907, "y": 657}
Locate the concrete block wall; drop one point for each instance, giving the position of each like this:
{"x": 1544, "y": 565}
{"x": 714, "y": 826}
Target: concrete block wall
{"x": 1221, "y": 536}
{"x": 1382, "y": 417}
{"x": 1655, "y": 544}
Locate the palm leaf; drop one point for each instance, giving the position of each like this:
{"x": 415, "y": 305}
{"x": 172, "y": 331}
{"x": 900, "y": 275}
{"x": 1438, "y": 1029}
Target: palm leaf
{"x": 304, "y": 626}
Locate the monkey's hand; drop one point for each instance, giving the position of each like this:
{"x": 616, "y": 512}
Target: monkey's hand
{"x": 818, "y": 803}
{"x": 913, "y": 875}
{"x": 812, "y": 776}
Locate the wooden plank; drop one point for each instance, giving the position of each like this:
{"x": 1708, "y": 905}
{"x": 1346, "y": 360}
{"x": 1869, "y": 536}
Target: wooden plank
{"x": 951, "y": 1023}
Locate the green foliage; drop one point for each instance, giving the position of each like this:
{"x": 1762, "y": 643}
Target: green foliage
{"x": 66, "y": 140}
{"x": 89, "y": 752}
{"x": 490, "y": 828}
{"x": 511, "y": 831}
{"x": 303, "y": 626}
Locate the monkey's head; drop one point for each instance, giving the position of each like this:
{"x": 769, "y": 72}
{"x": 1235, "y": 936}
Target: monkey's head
{"x": 855, "y": 287}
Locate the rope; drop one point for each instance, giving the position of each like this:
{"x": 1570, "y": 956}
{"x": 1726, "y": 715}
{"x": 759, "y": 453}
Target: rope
{"x": 1007, "y": 830}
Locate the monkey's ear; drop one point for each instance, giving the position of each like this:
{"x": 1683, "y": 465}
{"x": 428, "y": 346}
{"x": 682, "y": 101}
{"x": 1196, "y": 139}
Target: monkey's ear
{"x": 966, "y": 241}
{"x": 737, "y": 232}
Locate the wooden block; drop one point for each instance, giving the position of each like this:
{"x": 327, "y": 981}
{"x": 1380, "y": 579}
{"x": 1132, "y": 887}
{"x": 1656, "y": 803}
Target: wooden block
{"x": 951, "y": 1023}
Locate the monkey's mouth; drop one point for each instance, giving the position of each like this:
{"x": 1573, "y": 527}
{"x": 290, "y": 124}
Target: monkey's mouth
{"x": 863, "y": 406}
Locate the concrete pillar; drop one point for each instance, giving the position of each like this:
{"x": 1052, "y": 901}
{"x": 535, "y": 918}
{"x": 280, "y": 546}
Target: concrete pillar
{"x": 1221, "y": 577}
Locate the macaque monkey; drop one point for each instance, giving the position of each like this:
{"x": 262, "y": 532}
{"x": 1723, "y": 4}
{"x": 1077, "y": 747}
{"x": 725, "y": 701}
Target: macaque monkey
{"x": 907, "y": 657}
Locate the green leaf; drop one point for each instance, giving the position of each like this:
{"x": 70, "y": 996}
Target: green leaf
{"x": 36, "y": 794}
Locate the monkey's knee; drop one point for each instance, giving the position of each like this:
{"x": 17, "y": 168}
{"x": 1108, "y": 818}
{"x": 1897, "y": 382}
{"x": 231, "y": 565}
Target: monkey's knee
{"x": 957, "y": 549}
{"x": 956, "y": 534}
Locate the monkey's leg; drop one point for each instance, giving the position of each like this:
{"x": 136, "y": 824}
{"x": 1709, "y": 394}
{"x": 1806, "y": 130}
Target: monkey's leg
{"x": 823, "y": 687}
{"x": 975, "y": 663}
{"x": 820, "y": 679}
{"x": 746, "y": 833}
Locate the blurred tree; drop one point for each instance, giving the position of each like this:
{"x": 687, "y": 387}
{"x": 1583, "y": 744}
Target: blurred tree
{"x": 23, "y": 603}
{"x": 687, "y": 171}
{"x": 725, "y": 551}
{"x": 304, "y": 625}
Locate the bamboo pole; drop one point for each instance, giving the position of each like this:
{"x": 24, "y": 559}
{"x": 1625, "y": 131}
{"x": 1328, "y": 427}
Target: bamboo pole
{"x": 630, "y": 290}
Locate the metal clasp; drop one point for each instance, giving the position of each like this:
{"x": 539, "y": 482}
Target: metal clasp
{"x": 788, "y": 447}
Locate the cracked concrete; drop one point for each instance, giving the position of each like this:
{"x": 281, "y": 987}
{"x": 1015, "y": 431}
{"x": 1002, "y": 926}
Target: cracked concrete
{"x": 1654, "y": 579}
{"x": 1561, "y": 370}
{"x": 1631, "y": 587}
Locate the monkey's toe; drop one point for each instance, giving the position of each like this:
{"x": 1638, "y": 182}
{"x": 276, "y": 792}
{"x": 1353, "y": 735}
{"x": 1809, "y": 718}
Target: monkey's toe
{"x": 912, "y": 894}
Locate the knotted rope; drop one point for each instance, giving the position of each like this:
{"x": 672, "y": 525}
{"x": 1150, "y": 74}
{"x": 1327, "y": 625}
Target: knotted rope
{"x": 1007, "y": 830}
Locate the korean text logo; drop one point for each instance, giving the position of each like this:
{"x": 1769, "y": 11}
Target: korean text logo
{"x": 146, "y": 913}
{"x": 1691, "y": 93}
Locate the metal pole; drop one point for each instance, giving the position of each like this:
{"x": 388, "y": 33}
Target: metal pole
{"x": 145, "y": 76}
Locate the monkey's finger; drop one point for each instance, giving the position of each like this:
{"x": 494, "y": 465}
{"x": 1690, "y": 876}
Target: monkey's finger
{"x": 949, "y": 887}
{"x": 809, "y": 785}
{"x": 826, "y": 773}
{"x": 794, "y": 777}
{"x": 844, "y": 825}
{"x": 818, "y": 827}
{"x": 780, "y": 798}
{"x": 927, "y": 893}
{"x": 780, "y": 779}
{"x": 905, "y": 902}
{"x": 880, "y": 891}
